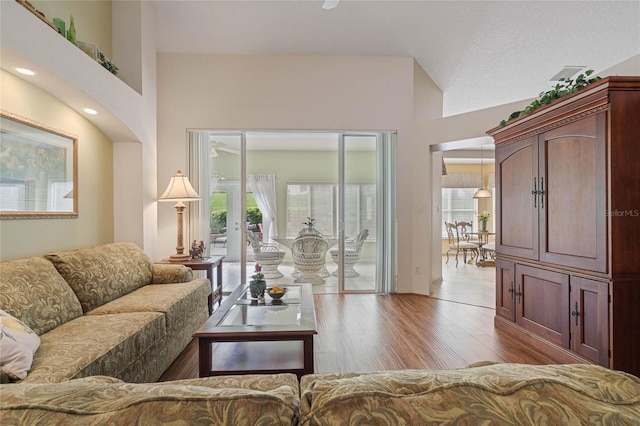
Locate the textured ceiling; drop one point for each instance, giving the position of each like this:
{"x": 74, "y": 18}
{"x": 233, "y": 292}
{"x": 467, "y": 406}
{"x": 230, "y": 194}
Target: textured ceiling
{"x": 481, "y": 54}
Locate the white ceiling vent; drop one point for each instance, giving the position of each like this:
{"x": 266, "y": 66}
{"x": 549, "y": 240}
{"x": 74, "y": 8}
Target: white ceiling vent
{"x": 566, "y": 72}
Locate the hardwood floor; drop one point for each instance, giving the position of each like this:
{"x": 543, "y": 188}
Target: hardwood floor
{"x": 365, "y": 332}
{"x": 467, "y": 283}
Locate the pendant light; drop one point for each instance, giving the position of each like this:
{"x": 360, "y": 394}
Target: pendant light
{"x": 482, "y": 192}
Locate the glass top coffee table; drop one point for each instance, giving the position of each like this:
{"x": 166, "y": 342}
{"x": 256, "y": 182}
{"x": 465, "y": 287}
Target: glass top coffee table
{"x": 244, "y": 336}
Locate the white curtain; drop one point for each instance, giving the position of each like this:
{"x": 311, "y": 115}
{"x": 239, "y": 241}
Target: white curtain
{"x": 264, "y": 191}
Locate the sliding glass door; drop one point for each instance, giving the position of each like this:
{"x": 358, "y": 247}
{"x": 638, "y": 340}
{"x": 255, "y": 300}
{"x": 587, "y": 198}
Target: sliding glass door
{"x": 271, "y": 183}
{"x": 357, "y": 247}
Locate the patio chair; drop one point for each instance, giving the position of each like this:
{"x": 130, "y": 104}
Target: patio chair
{"x": 268, "y": 255}
{"x": 309, "y": 258}
{"x": 352, "y": 254}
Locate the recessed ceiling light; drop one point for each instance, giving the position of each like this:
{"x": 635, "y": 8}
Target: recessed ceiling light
{"x": 25, "y": 71}
{"x": 90, "y": 111}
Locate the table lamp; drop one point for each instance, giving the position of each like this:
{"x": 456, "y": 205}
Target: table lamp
{"x": 179, "y": 190}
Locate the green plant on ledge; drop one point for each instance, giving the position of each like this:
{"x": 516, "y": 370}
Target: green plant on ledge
{"x": 105, "y": 62}
{"x": 566, "y": 86}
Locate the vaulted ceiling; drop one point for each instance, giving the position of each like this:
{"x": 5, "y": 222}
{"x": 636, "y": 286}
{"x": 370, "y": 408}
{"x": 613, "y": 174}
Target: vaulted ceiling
{"x": 480, "y": 53}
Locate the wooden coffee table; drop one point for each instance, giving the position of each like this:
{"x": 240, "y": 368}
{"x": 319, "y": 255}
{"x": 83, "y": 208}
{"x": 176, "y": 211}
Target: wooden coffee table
{"x": 243, "y": 336}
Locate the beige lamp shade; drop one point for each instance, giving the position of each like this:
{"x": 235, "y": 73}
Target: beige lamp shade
{"x": 179, "y": 189}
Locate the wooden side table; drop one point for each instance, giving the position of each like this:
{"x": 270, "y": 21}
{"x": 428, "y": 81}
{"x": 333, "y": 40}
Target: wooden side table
{"x": 206, "y": 264}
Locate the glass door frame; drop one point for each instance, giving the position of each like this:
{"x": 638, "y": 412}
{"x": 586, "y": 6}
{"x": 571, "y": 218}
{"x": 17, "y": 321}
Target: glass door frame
{"x": 386, "y": 247}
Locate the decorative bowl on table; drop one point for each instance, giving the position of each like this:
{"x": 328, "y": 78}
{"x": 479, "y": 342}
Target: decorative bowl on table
{"x": 276, "y": 292}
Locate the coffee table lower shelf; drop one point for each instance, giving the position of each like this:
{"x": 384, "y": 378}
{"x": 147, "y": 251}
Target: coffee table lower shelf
{"x": 256, "y": 356}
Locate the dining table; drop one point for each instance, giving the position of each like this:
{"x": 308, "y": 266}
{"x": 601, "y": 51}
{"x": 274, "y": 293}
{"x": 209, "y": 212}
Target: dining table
{"x": 288, "y": 243}
{"x": 483, "y": 238}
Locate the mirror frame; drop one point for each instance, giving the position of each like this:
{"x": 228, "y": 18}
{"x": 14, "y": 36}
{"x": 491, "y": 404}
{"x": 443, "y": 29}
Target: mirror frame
{"x": 44, "y": 137}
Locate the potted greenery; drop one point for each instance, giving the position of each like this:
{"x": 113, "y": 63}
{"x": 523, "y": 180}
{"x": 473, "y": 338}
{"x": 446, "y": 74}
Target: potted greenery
{"x": 566, "y": 86}
{"x": 310, "y": 229}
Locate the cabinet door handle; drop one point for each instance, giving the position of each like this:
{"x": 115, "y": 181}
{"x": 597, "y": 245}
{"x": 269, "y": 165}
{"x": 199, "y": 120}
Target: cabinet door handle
{"x": 518, "y": 293}
{"x": 535, "y": 191}
{"x": 576, "y": 313}
{"x": 541, "y": 192}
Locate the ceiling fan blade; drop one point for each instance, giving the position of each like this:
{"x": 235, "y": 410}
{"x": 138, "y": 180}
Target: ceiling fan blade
{"x": 231, "y": 150}
{"x": 330, "y": 4}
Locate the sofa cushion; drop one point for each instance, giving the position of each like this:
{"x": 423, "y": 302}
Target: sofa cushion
{"x": 95, "y": 345}
{"x": 32, "y": 290}
{"x": 18, "y": 343}
{"x": 103, "y": 273}
{"x": 173, "y": 300}
{"x": 494, "y": 394}
{"x": 229, "y": 400}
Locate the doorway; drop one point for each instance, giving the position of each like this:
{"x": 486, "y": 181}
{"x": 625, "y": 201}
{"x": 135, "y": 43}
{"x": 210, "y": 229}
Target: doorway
{"x": 453, "y": 191}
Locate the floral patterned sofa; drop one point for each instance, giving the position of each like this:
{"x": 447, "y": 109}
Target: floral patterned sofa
{"x": 270, "y": 399}
{"x": 500, "y": 394}
{"x": 485, "y": 393}
{"x": 106, "y": 310}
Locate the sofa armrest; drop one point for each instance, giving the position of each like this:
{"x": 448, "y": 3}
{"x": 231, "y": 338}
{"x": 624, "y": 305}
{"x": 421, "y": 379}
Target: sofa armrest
{"x": 170, "y": 274}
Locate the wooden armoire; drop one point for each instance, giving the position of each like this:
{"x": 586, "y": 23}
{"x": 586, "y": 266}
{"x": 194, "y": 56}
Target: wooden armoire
{"x": 568, "y": 226}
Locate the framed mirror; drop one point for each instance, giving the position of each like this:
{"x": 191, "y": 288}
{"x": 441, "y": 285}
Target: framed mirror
{"x": 38, "y": 170}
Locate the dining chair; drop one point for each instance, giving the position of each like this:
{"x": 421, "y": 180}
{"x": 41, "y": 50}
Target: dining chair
{"x": 459, "y": 241}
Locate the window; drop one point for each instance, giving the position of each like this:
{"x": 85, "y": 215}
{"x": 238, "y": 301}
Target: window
{"x": 319, "y": 201}
{"x": 458, "y": 205}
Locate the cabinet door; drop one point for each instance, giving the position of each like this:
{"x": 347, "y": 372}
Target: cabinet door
{"x": 505, "y": 289}
{"x": 572, "y": 205}
{"x": 542, "y": 303}
{"x": 590, "y": 319}
{"x": 516, "y": 213}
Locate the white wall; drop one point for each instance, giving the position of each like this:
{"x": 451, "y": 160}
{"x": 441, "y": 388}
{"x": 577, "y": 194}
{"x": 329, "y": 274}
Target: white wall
{"x": 427, "y": 106}
{"x": 94, "y": 224}
{"x": 135, "y": 161}
{"x": 92, "y": 19}
{"x": 124, "y": 115}
{"x": 290, "y": 92}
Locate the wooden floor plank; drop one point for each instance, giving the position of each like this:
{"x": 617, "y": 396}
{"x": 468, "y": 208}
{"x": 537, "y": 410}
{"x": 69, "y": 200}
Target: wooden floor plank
{"x": 368, "y": 332}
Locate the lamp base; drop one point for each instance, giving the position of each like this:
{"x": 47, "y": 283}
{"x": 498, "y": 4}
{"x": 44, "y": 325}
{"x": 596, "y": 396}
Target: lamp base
{"x": 179, "y": 258}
